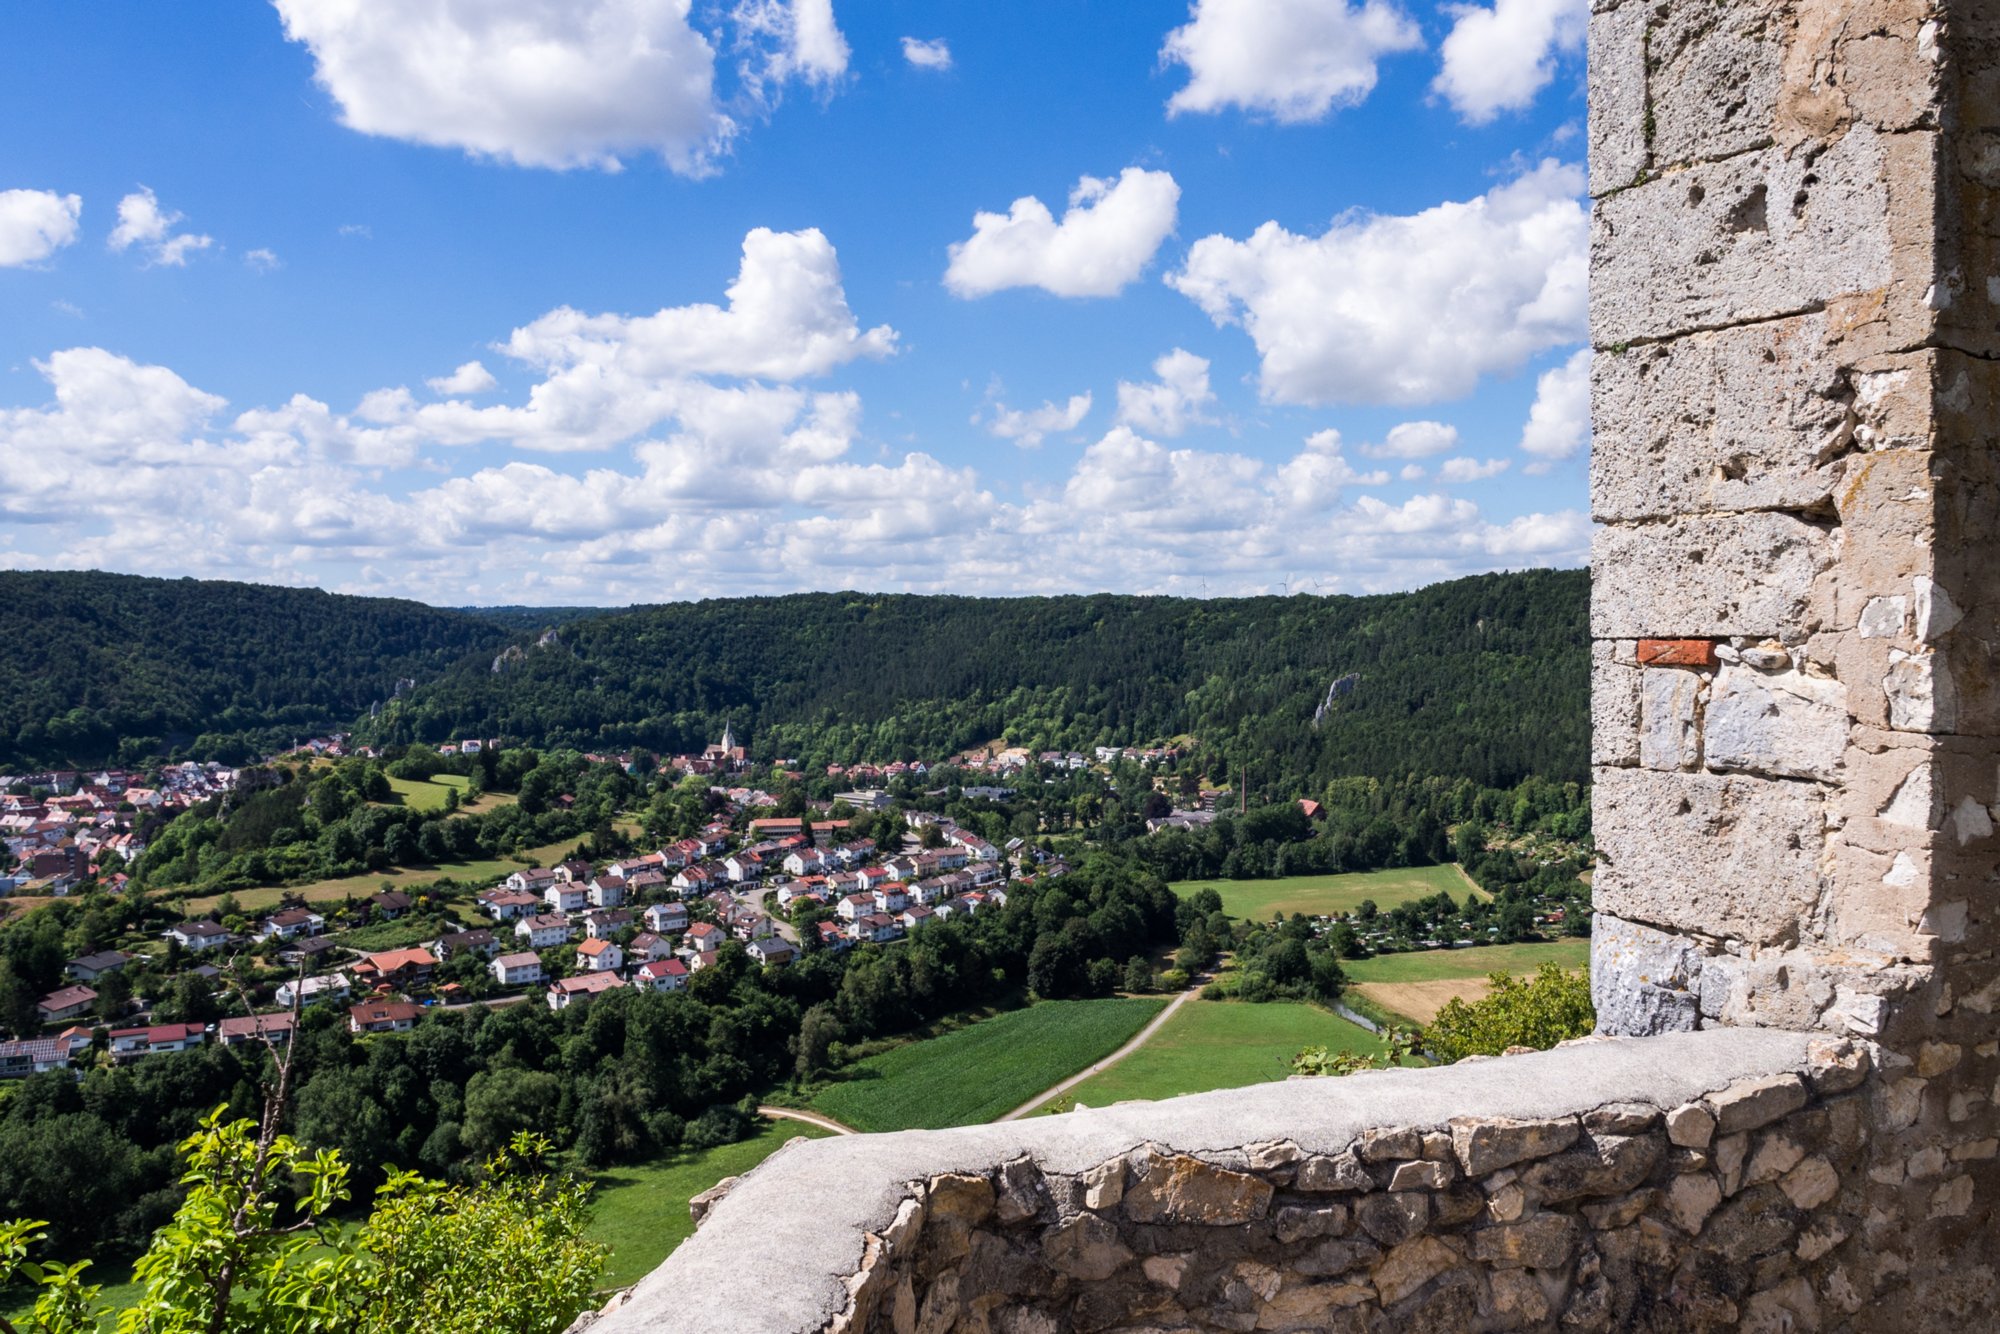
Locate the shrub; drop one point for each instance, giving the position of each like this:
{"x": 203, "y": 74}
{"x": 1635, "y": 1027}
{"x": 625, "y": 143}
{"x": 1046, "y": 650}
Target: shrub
{"x": 1548, "y": 1008}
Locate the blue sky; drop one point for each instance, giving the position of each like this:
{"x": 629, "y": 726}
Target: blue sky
{"x": 1292, "y": 298}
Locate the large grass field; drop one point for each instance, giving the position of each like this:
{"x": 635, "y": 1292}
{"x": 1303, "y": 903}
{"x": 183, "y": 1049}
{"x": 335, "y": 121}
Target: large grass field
{"x": 1416, "y": 986}
{"x": 1218, "y": 1045}
{"x": 360, "y": 886}
{"x": 1325, "y": 895}
{"x": 429, "y": 794}
{"x": 984, "y": 1070}
{"x": 641, "y": 1212}
{"x": 1477, "y": 961}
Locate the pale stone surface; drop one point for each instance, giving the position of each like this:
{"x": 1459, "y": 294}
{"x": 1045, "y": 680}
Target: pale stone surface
{"x": 1617, "y": 119}
{"x": 1750, "y": 1103}
{"x": 1614, "y": 706}
{"x": 1641, "y": 980}
{"x": 1757, "y": 842}
{"x": 1669, "y": 704}
{"x": 1691, "y": 1125}
{"x": 1486, "y": 1146}
{"x": 1749, "y": 574}
{"x": 1411, "y": 1265}
{"x": 1691, "y": 1198}
{"x": 1743, "y": 239}
{"x": 1788, "y": 723}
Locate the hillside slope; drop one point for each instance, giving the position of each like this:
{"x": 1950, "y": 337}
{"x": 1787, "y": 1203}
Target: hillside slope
{"x": 1485, "y": 677}
{"x": 94, "y": 666}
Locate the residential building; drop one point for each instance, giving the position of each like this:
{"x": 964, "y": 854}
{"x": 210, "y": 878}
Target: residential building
{"x": 605, "y": 923}
{"x": 390, "y": 904}
{"x": 198, "y": 935}
{"x": 517, "y": 970}
{"x": 567, "y": 896}
{"x": 661, "y": 975}
{"x": 67, "y": 1003}
{"x": 511, "y": 904}
{"x": 600, "y": 956}
{"x": 480, "y": 941}
{"x": 34, "y": 1056}
{"x": 544, "y": 930}
{"x": 384, "y": 1017}
{"x": 306, "y": 991}
{"x": 291, "y": 922}
{"x": 771, "y": 950}
{"x": 275, "y": 1029}
{"x": 667, "y": 917}
{"x": 93, "y": 966}
{"x": 606, "y": 891}
{"x": 131, "y": 1044}
{"x": 570, "y": 990}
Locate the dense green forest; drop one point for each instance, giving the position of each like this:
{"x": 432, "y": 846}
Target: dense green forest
{"x": 103, "y": 667}
{"x": 1485, "y": 678}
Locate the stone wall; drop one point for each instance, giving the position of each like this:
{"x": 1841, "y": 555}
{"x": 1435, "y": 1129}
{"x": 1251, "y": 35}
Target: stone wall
{"x": 1719, "y": 1213}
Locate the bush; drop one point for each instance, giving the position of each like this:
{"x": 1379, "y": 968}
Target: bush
{"x": 1548, "y": 1008}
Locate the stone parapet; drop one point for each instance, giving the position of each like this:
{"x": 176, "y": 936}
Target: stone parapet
{"x": 1708, "y": 1180}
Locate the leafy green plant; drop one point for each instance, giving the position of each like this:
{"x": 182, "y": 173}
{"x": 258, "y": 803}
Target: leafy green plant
{"x": 1402, "y": 1046}
{"x": 1540, "y": 1011}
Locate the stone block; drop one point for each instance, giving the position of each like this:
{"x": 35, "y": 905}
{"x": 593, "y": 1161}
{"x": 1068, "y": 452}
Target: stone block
{"x": 1617, "y": 97}
{"x": 1786, "y": 723}
{"x": 1670, "y": 736}
{"x": 1750, "y": 1103}
{"x": 1691, "y": 1198}
{"x": 1395, "y": 1218}
{"x": 1713, "y": 77}
{"x": 1420, "y": 1176}
{"x": 1323, "y": 1172}
{"x": 1614, "y": 707}
{"x": 1545, "y": 1241}
{"x": 1743, "y": 574}
{"x": 1086, "y": 1247}
{"x": 1641, "y": 980}
{"x": 1487, "y": 1145}
{"x": 1751, "y": 417}
{"x": 1182, "y": 1189}
{"x": 1753, "y": 237}
{"x": 1731, "y": 856}
{"x": 1411, "y": 1265}
{"x": 1676, "y": 653}
{"x": 1607, "y": 1165}
{"x": 1691, "y": 1126}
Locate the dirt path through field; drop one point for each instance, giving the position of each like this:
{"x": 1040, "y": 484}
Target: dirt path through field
{"x": 1421, "y": 1001}
{"x": 810, "y": 1118}
{"x": 1139, "y": 1040}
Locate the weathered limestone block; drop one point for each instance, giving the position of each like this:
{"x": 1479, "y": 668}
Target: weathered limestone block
{"x": 1759, "y": 416}
{"x": 1411, "y": 1265}
{"x": 1786, "y": 723}
{"x": 1331, "y": 1173}
{"x": 1487, "y": 1145}
{"x": 1751, "y": 237}
{"x": 1755, "y": 841}
{"x": 1607, "y": 1165}
{"x": 1394, "y": 1218}
{"x": 1182, "y": 1189}
{"x": 1642, "y": 981}
{"x": 1751, "y": 1103}
{"x": 1670, "y": 733}
{"x": 1614, "y": 704}
{"x": 1743, "y": 574}
{"x": 1617, "y": 120}
{"x": 1713, "y": 77}
{"x": 1087, "y": 1247}
{"x": 1691, "y": 1126}
{"x": 1545, "y": 1241}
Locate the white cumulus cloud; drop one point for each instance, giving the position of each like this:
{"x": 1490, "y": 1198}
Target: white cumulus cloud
{"x": 1414, "y": 440}
{"x": 789, "y": 39}
{"x": 579, "y": 83}
{"x": 1107, "y": 235}
{"x": 471, "y": 378}
{"x": 1174, "y": 400}
{"x": 787, "y": 317}
{"x": 1027, "y": 427}
{"x": 34, "y": 224}
{"x": 1292, "y": 60}
{"x": 1497, "y": 59}
{"x": 1559, "y": 422}
{"x": 1404, "y": 309}
{"x": 143, "y": 223}
{"x": 262, "y": 259}
{"x": 927, "y": 53}
{"x": 1457, "y": 472}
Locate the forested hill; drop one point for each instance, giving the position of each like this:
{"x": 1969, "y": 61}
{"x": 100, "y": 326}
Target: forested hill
{"x": 95, "y": 667}
{"x": 1485, "y": 677}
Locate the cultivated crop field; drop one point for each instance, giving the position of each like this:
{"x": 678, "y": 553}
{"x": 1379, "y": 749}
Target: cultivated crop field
{"x": 1218, "y": 1045}
{"x": 641, "y": 1211}
{"x": 1418, "y": 985}
{"x": 1326, "y": 895}
{"x": 984, "y": 1070}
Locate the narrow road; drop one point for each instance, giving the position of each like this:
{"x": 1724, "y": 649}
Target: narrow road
{"x": 1139, "y": 1040}
{"x": 810, "y": 1118}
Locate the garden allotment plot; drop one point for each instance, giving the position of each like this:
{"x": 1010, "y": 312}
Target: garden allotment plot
{"x": 1418, "y": 985}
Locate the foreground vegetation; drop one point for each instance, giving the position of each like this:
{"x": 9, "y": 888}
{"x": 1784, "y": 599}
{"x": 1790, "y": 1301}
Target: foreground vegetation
{"x": 980, "y": 1072}
{"x": 1218, "y": 1045}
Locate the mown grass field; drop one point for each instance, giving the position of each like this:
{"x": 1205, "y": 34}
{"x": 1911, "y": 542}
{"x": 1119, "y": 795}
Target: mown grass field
{"x": 1218, "y": 1045}
{"x": 1416, "y": 986}
{"x": 984, "y": 1070}
{"x": 641, "y": 1212}
{"x": 360, "y": 886}
{"x": 429, "y": 794}
{"x": 1317, "y": 895}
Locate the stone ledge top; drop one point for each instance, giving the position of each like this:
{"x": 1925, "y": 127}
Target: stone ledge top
{"x": 772, "y": 1255}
